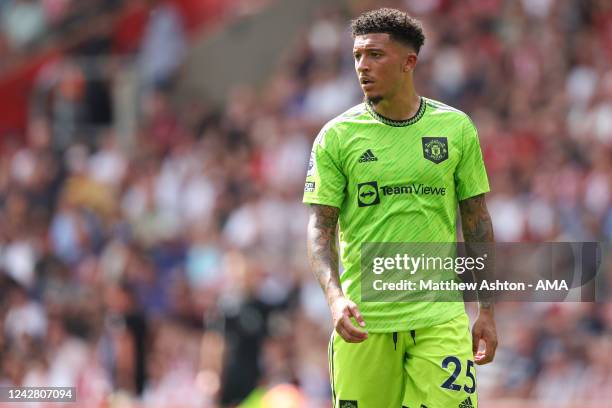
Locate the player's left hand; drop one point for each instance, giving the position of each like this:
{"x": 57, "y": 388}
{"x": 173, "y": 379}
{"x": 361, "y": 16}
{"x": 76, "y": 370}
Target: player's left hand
{"x": 484, "y": 329}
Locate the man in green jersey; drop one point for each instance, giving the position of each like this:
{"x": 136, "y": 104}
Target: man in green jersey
{"x": 394, "y": 169}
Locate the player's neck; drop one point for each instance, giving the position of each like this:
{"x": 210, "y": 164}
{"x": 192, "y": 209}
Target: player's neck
{"x": 401, "y": 107}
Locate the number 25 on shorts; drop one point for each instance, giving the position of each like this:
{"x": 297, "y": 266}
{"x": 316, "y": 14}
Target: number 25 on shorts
{"x": 450, "y": 381}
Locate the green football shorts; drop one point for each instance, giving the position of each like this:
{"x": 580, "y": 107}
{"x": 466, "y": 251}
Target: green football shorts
{"x": 424, "y": 368}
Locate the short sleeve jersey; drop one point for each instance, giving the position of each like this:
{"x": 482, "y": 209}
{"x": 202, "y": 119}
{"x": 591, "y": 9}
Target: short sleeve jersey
{"x": 395, "y": 181}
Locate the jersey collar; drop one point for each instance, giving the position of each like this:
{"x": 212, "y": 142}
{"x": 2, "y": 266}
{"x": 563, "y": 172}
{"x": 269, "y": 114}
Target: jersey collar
{"x": 398, "y": 123}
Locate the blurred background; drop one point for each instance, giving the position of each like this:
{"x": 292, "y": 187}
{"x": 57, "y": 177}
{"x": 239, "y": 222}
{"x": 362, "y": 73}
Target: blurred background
{"x": 152, "y": 158}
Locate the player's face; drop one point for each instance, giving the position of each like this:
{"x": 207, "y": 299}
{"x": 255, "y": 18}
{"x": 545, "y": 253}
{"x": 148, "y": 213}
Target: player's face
{"x": 380, "y": 63}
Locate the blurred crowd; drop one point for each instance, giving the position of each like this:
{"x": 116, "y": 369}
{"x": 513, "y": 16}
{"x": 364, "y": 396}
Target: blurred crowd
{"x": 27, "y": 24}
{"x": 167, "y": 268}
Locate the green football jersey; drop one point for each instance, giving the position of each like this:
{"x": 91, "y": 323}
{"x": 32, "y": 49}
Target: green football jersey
{"x": 395, "y": 182}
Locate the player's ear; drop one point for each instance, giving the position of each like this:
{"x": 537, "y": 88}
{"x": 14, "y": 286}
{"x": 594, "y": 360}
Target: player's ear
{"x": 410, "y": 61}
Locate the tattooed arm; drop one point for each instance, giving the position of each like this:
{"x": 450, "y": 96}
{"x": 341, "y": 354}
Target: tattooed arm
{"x": 323, "y": 255}
{"x": 478, "y": 235}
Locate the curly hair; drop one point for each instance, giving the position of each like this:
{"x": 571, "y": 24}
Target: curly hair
{"x": 399, "y": 25}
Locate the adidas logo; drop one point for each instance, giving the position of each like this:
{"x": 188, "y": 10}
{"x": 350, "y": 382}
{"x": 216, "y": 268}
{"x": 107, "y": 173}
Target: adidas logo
{"x": 367, "y": 156}
{"x": 467, "y": 403}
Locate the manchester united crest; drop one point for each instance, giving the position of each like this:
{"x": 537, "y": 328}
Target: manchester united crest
{"x": 435, "y": 149}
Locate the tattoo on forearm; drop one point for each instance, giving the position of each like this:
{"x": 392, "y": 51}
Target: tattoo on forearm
{"x": 322, "y": 248}
{"x": 478, "y": 234}
{"x": 475, "y": 219}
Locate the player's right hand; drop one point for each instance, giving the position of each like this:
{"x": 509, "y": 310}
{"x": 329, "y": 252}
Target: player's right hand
{"x": 342, "y": 310}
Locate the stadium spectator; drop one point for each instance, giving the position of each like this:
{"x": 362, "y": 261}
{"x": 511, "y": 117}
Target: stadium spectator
{"x": 24, "y": 21}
